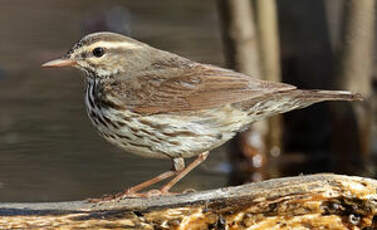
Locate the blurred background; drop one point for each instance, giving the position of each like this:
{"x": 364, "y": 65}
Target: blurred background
{"x": 49, "y": 151}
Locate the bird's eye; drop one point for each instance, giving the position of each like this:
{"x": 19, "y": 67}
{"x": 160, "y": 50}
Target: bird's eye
{"x": 98, "y": 52}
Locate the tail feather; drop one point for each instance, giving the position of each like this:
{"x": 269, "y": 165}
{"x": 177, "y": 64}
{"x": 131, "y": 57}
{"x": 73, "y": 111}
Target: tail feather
{"x": 299, "y": 98}
{"x": 288, "y": 100}
{"x": 329, "y": 95}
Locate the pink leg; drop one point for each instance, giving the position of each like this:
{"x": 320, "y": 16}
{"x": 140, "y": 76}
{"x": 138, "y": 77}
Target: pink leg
{"x": 150, "y": 182}
{"x": 179, "y": 170}
{"x": 202, "y": 157}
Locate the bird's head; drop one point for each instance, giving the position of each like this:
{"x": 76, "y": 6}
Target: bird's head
{"x": 105, "y": 54}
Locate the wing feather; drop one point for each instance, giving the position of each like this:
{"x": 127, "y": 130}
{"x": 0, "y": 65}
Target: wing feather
{"x": 192, "y": 88}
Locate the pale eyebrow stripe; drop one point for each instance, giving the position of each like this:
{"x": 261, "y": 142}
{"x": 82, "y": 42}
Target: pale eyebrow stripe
{"x": 114, "y": 45}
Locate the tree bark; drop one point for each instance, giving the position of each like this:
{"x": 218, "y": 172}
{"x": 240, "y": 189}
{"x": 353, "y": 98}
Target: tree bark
{"x": 322, "y": 201}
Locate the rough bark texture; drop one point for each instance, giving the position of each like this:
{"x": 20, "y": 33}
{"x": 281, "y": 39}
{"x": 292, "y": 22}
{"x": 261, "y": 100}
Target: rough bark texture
{"x": 323, "y": 201}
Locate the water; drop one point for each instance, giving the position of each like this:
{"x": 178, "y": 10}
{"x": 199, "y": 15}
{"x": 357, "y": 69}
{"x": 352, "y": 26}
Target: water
{"x": 49, "y": 151}
{"x": 48, "y": 148}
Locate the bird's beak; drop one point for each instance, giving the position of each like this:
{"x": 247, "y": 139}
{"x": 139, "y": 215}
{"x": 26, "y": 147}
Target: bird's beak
{"x": 60, "y": 62}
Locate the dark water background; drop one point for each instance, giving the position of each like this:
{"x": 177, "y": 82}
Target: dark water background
{"x": 48, "y": 149}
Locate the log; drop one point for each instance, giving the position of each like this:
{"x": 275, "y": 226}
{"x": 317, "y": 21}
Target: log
{"x": 323, "y": 201}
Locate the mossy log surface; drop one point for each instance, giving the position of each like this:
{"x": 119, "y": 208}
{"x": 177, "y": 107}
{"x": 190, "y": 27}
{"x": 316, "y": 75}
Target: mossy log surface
{"x": 323, "y": 201}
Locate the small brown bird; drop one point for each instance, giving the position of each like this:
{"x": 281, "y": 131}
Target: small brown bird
{"x": 157, "y": 104}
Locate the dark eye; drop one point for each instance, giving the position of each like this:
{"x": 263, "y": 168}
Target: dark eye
{"x": 98, "y": 52}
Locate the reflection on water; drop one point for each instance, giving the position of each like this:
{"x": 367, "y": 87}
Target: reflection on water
{"x": 48, "y": 149}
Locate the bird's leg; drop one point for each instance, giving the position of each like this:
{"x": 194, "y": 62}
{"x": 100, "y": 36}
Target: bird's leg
{"x": 178, "y": 165}
{"x": 150, "y": 182}
{"x": 181, "y": 173}
{"x": 133, "y": 191}
{"x": 179, "y": 170}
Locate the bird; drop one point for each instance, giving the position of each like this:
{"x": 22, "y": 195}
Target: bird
{"x": 157, "y": 104}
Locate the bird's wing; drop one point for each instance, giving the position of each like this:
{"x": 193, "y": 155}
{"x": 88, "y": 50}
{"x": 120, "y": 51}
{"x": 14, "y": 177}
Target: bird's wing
{"x": 188, "y": 89}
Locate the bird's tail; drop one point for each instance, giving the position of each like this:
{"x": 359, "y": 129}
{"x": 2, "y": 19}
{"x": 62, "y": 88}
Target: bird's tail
{"x": 299, "y": 98}
{"x": 327, "y": 95}
{"x": 287, "y": 100}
